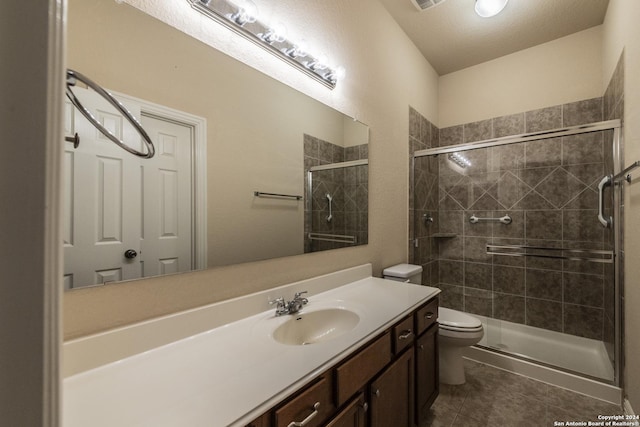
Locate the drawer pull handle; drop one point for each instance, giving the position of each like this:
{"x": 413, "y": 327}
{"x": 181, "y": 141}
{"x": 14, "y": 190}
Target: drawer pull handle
{"x": 405, "y": 334}
{"x": 377, "y": 392}
{"x": 306, "y": 420}
{"x": 429, "y": 315}
{"x": 421, "y": 347}
{"x": 365, "y": 407}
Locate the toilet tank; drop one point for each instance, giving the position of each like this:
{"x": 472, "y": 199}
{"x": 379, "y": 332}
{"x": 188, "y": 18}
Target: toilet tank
{"x": 408, "y": 273}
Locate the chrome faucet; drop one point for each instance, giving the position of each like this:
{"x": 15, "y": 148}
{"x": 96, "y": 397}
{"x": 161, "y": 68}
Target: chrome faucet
{"x": 291, "y": 307}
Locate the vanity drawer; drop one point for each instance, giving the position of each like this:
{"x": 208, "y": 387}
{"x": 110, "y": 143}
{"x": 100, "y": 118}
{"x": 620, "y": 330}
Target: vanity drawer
{"x": 353, "y": 374}
{"x": 403, "y": 335}
{"x": 314, "y": 404}
{"x": 426, "y": 316}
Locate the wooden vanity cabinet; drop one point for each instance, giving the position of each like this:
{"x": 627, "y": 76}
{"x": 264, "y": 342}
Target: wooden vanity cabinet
{"x": 353, "y": 415}
{"x": 392, "y": 381}
{"x": 262, "y": 421}
{"x": 403, "y": 335}
{"x": 427, "y": 378}
{"x": 357, "y": 371}
{"x": 392, "y": 394}
{"x": 310, "y": 407}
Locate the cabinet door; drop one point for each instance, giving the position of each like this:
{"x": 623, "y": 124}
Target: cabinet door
{"x": 427, "y": 381}
{"x": 351, "y": 416}
{"x": 392, "y": 394}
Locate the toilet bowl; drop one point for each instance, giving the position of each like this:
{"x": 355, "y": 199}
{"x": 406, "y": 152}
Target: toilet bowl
{"x": 456, "y": 331}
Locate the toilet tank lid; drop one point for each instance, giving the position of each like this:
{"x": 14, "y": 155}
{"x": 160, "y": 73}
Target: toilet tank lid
{"x": 403, "y": 271}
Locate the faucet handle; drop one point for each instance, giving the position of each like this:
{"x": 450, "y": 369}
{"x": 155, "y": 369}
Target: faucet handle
{"x": 278, "y": 301}
{"x": 298, "y": 295}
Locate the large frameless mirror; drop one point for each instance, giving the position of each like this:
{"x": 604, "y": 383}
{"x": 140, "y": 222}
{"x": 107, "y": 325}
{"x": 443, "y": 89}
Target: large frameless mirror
{"x": 246, "y": 168}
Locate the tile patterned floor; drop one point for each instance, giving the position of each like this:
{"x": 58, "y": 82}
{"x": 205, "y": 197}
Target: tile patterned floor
{"x": 494, "y": 398}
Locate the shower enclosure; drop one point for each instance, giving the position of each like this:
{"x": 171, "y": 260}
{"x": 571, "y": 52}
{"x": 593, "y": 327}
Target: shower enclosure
{"x": 524, "y": 232}
{"x": 336, "y": 210}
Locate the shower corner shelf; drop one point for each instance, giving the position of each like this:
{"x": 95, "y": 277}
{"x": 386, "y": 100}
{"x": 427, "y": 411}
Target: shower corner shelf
{"x": 443, "y": 235}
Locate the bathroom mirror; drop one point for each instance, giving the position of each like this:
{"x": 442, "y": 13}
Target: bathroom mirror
{"x": 246, "y": 168}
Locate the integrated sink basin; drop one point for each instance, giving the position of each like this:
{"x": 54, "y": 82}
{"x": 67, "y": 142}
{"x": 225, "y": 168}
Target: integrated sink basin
{"x": 316, "y": 326}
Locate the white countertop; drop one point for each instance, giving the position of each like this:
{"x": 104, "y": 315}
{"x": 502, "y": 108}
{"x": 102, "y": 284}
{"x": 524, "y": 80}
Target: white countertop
{"x": 229, "y": 375}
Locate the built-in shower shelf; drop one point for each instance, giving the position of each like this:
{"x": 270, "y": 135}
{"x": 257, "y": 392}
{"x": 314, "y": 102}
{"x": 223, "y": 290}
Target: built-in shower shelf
{"x": 443, "y": 235}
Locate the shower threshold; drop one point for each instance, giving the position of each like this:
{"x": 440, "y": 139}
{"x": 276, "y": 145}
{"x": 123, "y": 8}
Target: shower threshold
{"x": 576, "y": 354}
{"x": 576, "y": 363}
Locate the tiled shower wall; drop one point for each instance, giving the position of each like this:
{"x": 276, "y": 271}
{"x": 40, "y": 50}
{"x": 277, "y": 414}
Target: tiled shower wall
{"x": 348, "y": 187}
{"x": 424, "y": 200}
{"x": 548, "y": 187}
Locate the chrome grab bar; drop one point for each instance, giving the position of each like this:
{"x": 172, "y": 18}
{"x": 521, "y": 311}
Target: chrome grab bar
{"x": 606, "y": 222}
{"x": 608, "y": 180}
{"x": 286, "y": 196}
{"x": 72, "y": 77}
{"x": 503, "y": 220}
{"x": 573, "y": 254}
{"x": 338, "y": 238}
{"x": 330, "y": 199}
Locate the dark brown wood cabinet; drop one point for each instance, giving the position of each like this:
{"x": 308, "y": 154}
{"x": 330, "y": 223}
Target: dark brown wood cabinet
{"x": 403, "y": 335}
{"x": 358, "y": 370}
{"x": 392, "y": 394}
{"x": 311, "y": 407}
{"x": 392, "y": 381}
{"x": 427, "y": 384}
{"x": 263, "y": 421}
{"x": 353, "y": 415}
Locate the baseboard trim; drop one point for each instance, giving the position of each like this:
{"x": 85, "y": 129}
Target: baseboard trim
{"x": 628, "y": 410}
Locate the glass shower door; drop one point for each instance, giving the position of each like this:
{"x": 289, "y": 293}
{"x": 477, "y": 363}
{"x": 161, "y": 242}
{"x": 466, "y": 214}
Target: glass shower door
{"x": 510, "y": 233}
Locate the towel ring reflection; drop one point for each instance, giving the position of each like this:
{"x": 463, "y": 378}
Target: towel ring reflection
{"x": 72, "y": 77}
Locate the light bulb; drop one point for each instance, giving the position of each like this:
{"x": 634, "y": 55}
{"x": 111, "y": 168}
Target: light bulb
{"x": 489, "y": 8}
{"x": 247, "y": 13}
{"x": 318, "y": 63}
{"x": 333, "y": 75}
{"x": 277, "y": 32}
{"x": 298, "y": 50}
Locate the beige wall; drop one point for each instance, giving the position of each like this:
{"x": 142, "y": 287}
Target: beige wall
{"x": 354, "y": 133}
{"x": 375, "y": 91}
{"x": 621, "y": 32}
{"x": 561, "y": 71}
{"x": 31, "y": 72}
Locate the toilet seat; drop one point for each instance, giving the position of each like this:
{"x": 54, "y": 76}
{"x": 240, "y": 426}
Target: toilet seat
{"x": 457, "y": 321}
{"x": 454, "y": 329}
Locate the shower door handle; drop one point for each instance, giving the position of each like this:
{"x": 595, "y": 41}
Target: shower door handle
{"x": 606, "y": 222}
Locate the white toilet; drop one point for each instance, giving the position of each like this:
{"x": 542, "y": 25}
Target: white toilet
{"x": 456, "y": 330}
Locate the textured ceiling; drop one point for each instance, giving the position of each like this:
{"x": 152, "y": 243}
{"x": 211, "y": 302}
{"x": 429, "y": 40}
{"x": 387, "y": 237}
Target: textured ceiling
{"x": 452, "y": 37}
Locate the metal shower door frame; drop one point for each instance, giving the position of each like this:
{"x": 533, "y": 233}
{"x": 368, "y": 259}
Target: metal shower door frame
{"x": 613, "y": 125}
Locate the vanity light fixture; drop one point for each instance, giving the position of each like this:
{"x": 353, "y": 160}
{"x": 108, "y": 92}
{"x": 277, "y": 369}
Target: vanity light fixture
{"x": 489, "y": 8}
{"x": 298, "y": 50}
{"x": 246, "y": 13}
{"x": 277, "y": 32}
{"x": 241, "y": 16}
{"x": 459, "y": 159}
{"x": 335, "y": 75}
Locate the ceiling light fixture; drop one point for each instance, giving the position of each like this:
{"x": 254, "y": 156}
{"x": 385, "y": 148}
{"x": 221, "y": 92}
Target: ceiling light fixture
{"x": 489, "y": 8}
{"x": 241, "y": 16}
